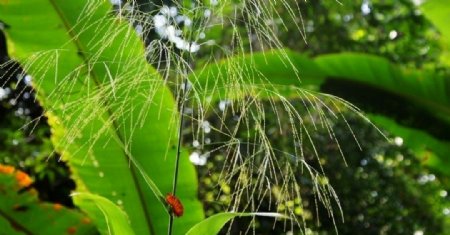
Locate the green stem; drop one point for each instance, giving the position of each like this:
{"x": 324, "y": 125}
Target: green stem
{"x": 180, "y": 133}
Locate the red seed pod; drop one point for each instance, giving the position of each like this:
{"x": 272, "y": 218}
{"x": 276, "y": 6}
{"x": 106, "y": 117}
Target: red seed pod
{"x": 175, "y": 205}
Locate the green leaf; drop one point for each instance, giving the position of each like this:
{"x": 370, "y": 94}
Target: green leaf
{"x": 21, "y": 212}
{"x": 431, "y": 151}
{"x": 408, "y": 99}
{"x": 213, "y": 224}
{"x": 425, "y": 89}
{"x": 8, "y": 229}
{"x": 107, "y": 107}
{"x": 115, "y": 220}
{"x": 413, "y": 98}
{"x": 262, "y": 74}
{"x": 438, "y": 11}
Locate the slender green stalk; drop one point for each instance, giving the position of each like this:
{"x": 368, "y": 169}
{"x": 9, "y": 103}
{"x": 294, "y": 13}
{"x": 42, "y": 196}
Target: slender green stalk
{"x": 180, "y": 129}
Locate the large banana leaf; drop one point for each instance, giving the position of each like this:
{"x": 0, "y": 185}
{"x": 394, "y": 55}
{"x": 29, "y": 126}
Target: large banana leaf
{"x": 416, "y": 99}
{"x": 433, "y": 152}
{"x": 115, "y": 221}
{"x": 21, "y": 212}
{"x": 438, "y": 12}
{"x": 107, "y": 107}
{"x": 417, "y": 102}
{"x": 374, "y": 80}
{"x": 259, "y": 74}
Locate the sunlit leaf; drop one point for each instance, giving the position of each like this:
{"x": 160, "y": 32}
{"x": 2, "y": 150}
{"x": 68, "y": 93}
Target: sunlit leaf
{"x": 115, "y": 220}
{"x": 213, "y": 224}
{"x": 21, "y": 212}
{"x": 108, "y": 108}
{"x": 438, "y": 11}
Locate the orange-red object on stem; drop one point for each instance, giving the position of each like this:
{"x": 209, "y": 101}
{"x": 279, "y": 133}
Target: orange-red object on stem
{"x": 175, "y": 205}
{"x": 23, "y": 179}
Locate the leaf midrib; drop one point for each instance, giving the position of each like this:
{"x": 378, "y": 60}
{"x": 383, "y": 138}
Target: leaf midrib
{"x": 94, "y": 77}
{"x": 15, "y": 224}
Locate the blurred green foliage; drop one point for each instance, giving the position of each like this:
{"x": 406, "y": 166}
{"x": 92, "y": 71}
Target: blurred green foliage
{"x": 394, "y": 29}
{"x": 25, "y": 138}
{"x": 23, "y": 213}
{"x": 383, "y": 189}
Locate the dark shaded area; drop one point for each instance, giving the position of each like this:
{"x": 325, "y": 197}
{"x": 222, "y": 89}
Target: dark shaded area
{"x": 383, "y": 188}
{"x": 373, "y": 100}
{"x": 3, "y": 48}
{"x": 25, "y": 134}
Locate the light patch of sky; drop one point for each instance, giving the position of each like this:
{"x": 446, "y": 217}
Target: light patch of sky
{"x": 418, "y": 232}
{"x": 159, "y": 21}
{"x": 365, "y": 8}
{"x": 173, "y": 12}
{"x": 446, "y": 211}
{"x": 223, "y": 104}
{"x": 418, "y": 2}
{"x": 393, "y": 34}
{"x": 398, "y": 141}
{"x": 197, "y": 159}
{"x": 187, "y": 22}
{"x": 206, "y": 127}
{"x": 27, "y": 79}
{"x": 116, "y": 2}
{"x": 195, "y": 143}
{"x": 213, "y": 2}
{"x": 4, "y": 92}
{"x": 166, "y": 30}
{"x": 207, "y": 13}
{"x": 193, "y": 47}
{"x": 139, "y": 29}
{"x": 426, "y": 178}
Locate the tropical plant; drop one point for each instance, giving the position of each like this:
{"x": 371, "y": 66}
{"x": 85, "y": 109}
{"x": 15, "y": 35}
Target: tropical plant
{"x": 116, "y": 122}
{"x": 113, "y": 118}
{"x": 371, "y": 82}
{"x": 22, "y": 213}
{"x": 382, "y": 187}
{"x": 412, "y": 98}
{"x": 94, "y": 137}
